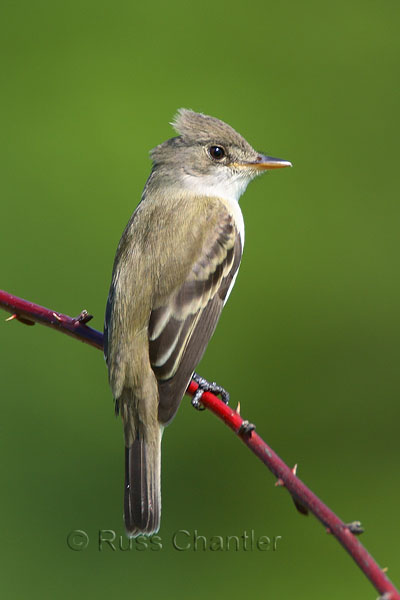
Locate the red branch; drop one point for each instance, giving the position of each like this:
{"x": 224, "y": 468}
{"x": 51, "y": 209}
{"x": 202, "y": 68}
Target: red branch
{"x": 305, "y": 499}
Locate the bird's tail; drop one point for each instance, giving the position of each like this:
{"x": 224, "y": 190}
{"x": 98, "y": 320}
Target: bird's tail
{"x": 142, "y": 501}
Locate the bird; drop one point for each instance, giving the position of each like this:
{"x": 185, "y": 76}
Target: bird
{"x": 174, "y": 268}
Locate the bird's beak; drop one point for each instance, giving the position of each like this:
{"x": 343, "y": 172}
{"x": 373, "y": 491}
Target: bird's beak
{"x": 268, "y": 162}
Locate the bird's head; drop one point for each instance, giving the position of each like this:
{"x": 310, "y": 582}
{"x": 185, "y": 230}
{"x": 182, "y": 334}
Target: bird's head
{"x": 210, "y": 157}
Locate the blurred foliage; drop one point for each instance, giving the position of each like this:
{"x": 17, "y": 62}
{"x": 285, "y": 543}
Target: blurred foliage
{"x": 309, "y": 342}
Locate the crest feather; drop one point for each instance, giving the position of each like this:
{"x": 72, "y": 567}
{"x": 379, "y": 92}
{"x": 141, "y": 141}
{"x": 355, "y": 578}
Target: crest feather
{"x": 200, "y": 127}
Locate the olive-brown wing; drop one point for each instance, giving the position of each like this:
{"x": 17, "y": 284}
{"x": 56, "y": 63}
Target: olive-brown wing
{"x": 181, "y": 325}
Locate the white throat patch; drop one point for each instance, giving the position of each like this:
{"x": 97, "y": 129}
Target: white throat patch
{"x": 228, "y": 188}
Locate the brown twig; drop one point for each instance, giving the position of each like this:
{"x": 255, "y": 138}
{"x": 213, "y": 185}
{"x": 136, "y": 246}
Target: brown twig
{"x": 29, "y": 313}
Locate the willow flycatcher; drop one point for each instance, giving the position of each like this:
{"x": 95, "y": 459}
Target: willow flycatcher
{"x": 174, "y": 268}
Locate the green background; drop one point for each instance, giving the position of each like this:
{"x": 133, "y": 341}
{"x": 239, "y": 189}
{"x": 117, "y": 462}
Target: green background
{"x": 309, "y": 341}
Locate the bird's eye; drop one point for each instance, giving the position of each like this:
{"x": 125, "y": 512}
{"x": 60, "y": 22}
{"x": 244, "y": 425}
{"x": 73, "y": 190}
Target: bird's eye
{"x": 216, "y": 152}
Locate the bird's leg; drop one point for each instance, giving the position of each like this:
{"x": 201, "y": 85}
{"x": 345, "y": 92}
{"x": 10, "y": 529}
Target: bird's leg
{"x": 206, "y": 386}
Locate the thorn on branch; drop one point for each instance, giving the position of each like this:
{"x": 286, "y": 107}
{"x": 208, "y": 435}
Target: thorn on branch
{"x": 280, "y": 483}
{"x": 246, "y": 429}
{"x": 83, "y": 317}
{"x": 355, "y": 527}
{"x": 21, "y": 320}
{"x": 303, "y": 510}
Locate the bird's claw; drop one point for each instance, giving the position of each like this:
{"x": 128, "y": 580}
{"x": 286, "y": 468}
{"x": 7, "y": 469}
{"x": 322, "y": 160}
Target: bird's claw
{"x": 206, "y": 386}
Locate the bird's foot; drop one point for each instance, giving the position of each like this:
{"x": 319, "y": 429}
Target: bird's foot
{"x": 206, "y": 386}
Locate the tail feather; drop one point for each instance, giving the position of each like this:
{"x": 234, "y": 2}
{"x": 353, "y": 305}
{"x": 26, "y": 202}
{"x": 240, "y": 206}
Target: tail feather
{"x": 142, "y": 499}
